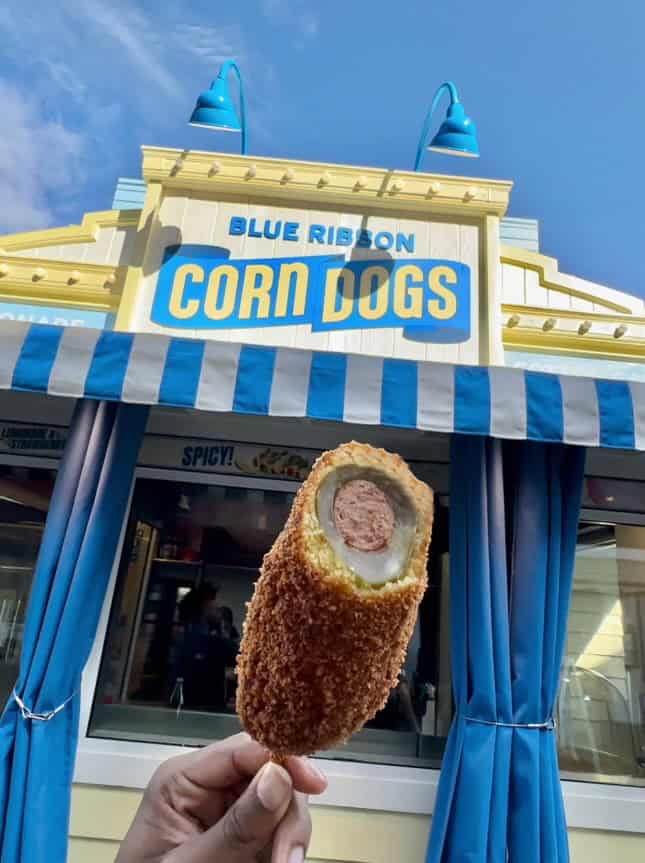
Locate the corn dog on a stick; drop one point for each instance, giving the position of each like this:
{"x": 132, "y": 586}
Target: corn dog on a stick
{"x": 335, "y": 604}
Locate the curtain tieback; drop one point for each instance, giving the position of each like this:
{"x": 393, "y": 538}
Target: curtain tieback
{"x": 549, "y": 725}
{"x": 26, "y": 713}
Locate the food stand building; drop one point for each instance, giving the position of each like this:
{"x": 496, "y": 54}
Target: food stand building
{"x": 266, "y": 310}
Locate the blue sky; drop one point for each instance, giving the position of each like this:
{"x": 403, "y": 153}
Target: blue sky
{"x": 555, "y": 88}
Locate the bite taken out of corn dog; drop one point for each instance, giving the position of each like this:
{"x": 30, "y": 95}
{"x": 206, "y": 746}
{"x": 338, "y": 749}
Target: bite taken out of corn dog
{"x": 334, "y": 607}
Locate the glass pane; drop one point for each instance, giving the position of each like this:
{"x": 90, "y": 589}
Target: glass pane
{"x": 25, "y": 494}
{"x": 602, "y": 697}
{"x": 191, "y": 556}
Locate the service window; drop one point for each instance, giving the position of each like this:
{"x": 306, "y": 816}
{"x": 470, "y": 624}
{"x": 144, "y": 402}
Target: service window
{"x": 601, "y": 707}
{"x": 190, "y": 559}
{"x": 25, "y": 494}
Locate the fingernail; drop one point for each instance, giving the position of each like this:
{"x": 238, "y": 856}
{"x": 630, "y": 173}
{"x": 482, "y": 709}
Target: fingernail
{"x": 274, "y": 786}
{"x": 315, "y": 770}
{"x": 297, "y": 855}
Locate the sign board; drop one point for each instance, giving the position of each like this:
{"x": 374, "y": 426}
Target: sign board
{"x": 296, "y": 276}
{"x": 203, "y": 456}
{"x": 62, "y": 317}
{"x": 212, "y": 456}
{"x": 198, "y": 455}
{"x": 22, "y": 439}
{"x": 202, "y": 287}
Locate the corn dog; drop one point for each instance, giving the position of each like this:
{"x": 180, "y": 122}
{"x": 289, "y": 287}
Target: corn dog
{"x": 333, "y": 610}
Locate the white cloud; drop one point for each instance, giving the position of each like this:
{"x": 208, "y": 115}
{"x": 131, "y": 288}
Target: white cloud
{"x": 37, "y": 158}
{"x": 108, "y": 76}
{"x": 64, "y": 77}
{"x": 131, "y": 30}
{"x": 211, "y": 44}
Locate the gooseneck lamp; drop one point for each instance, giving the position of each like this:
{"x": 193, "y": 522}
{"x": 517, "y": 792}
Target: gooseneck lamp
{"x": 457, "y": 134}
{"x": 214, "y": 108}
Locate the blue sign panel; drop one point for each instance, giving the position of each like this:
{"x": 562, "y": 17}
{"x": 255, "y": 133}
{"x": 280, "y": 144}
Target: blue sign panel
{"x": 201, "y": 287}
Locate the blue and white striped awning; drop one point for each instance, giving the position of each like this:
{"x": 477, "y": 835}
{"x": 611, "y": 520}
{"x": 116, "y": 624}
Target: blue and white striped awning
{"x": 220, "y": 376}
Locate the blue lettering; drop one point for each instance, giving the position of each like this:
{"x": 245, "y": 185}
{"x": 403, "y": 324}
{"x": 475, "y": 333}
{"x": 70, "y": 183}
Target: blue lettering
{"x": 405, "y": 243}
{"x": 253, "y": 232}
{"x": 291, "y": 231}
{"x": 272, "y": 233}
{"x": 213, "y": 456}
{"x": 237, "y": 226}
{"x": 198, "y": 452}
{"x": 383, "y": 240}
{"x": 341, "y": 236}
{"x": 364, "y": 239}
{"x": 187, "y": 456}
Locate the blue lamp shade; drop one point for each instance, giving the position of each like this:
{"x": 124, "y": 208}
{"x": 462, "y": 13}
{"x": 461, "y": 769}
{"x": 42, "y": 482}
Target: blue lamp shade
{"x": 457, "y": 134}
{"x": 214, "y": 109}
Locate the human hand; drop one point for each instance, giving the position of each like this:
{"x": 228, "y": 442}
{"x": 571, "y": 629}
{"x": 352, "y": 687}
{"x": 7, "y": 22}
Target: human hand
{"x": 225, "y": 803}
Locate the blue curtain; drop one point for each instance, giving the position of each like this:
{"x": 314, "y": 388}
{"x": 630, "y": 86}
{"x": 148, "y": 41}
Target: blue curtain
{"x": 73, "y": 569}
{"x": 513, "y": 528}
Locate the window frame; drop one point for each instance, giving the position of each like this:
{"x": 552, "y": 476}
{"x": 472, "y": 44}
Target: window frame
{"x": 352, "y": 784}
{"x": 38, "y": 462}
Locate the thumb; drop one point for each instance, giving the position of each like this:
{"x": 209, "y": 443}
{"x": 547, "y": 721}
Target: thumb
{"x": 248, "y": 826}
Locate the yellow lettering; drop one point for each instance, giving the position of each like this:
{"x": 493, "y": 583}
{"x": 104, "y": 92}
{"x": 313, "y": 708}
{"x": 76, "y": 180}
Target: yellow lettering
{"x": 177, "y": 306}
{"x": 300, "y": 273}
{"x": 335, "y": 277}
{"x": 408, "y": 297}
{"x": 446, "y": 306}
{"x": 258, "y": 281}
{"x": 215, "y": 309}
{"x": 373, "y": 293}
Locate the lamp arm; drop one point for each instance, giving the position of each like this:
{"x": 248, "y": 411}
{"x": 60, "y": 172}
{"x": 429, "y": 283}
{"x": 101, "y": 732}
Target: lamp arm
{"x": 454, "y": 98}
{"x": 226, "y": 67}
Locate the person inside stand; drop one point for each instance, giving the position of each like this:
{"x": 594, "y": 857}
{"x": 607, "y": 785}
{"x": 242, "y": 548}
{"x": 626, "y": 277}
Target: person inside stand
{"x": 398, "y": 713}
{"x": 223, "y": 648}
{"x": 228, "y": 647}
{"x": 191, "y": 680}
{"x": 226, "y": 624}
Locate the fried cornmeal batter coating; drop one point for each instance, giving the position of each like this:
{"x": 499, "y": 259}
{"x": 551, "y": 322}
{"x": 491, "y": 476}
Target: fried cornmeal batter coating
{"x": 322, "y": 646}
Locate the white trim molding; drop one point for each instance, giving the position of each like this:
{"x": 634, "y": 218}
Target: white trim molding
{"x": 374, "y": 787}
